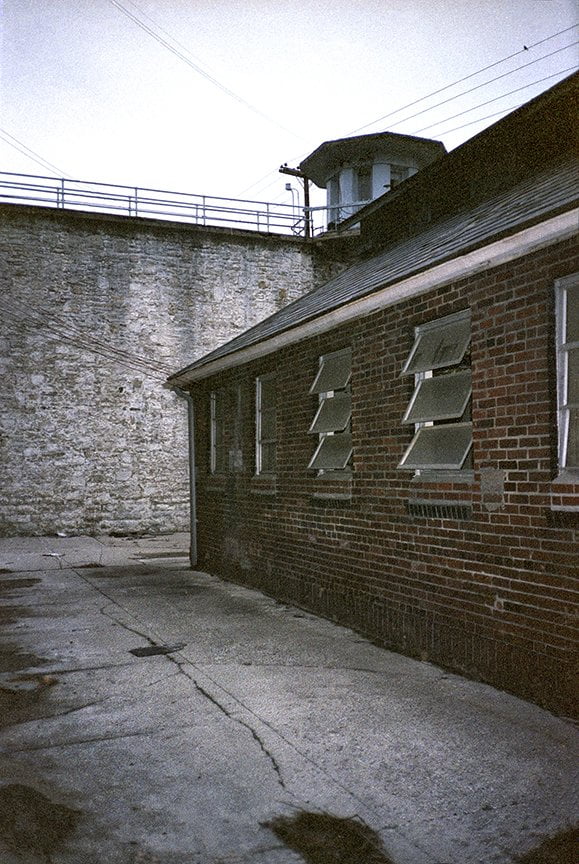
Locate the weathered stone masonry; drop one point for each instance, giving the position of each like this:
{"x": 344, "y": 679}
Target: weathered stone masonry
{"x": 89, "y": 443}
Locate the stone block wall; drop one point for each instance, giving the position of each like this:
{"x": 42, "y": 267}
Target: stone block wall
{"x": 95, "y": 311}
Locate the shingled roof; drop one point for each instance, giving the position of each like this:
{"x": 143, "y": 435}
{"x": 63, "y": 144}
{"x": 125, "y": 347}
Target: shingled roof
{"x": 544, "y": 194}
{"x": 552, "y": 192}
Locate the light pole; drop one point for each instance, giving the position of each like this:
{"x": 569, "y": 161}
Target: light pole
{"x": 295, "y": 172}
{"x": 290, "y": 188}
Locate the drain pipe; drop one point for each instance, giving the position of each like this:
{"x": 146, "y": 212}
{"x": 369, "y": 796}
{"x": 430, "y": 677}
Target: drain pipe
{"x": 192, "y": 488}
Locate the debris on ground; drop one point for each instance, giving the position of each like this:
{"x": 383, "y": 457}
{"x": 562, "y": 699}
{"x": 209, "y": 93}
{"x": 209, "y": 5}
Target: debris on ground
{"x": 322, "y": 838}
{"x": 26, "y": 682}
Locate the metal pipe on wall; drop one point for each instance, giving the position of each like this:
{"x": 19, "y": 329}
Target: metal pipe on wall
{"x": 192, "y": 487}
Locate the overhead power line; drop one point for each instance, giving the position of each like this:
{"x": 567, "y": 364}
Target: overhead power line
{"x": 67, "y": 334}
{"x": 30, "y": 154}
{"x": 524, "y": 50}
{"x": 466, "y": 78}
{"x": 187, "y": 58}
{"x": 482, "y": 119}
{"x": 478, "y": 86}
{"x": 495, "y": 99}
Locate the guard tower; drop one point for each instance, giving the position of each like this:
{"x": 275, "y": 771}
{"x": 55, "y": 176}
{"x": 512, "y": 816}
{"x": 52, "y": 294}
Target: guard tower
{"x": 355, "y": 171}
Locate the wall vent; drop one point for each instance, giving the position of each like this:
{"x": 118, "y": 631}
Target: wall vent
{"x": 429, "y": 509}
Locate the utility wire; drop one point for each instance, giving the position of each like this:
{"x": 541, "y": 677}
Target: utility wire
{"x": 481, "y": 119}
{"x": 495, "y": 99}
{"x": 445, "y": 120}
{"x": 30, "y": 154}
{"x": 67, "y": 334}
{"x": 465, "y": 78}
{"x": 435, "y": 93}
{"x": 195, "y": 66}
{"x": 484, "y": 84}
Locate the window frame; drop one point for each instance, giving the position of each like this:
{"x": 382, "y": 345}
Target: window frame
{"x": 217, "y": 465}
{"x": 341, "y": 389}
{"x": 564, "y": 288}
{"x": 260, "y": 440}
{"x": 453, "y": 417}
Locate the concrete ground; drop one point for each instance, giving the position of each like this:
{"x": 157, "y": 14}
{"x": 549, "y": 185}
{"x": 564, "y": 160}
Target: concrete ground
{"x": 261, "y": 710}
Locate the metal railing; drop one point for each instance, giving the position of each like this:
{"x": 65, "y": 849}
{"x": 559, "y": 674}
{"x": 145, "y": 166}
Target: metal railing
{"x": 135, "y": 201}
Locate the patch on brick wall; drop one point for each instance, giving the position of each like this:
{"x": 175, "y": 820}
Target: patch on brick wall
{"x": 492, "y": 488}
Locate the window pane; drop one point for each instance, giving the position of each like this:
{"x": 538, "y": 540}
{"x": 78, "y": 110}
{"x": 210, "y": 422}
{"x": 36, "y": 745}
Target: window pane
{"x": 439, "y": 447}
{"x": 333, "y": 415}
{"x": 221, "y": 459}
{"x": 268, "y": 453}
{"x": 334, "y": 372}
{"x": 442, "y": 398}
{"x": 333, "y": 451}
{"x": 572, "y": 460}
{"x": 572, "y": 314}
{"x": 442, "y": 346}
{"x": 268, "y": 425}
{"x": 398, "y": 173}
{"x": 364, "y": 183}
{"x": 573, "y": 376}
{"x": 267, "y": 391}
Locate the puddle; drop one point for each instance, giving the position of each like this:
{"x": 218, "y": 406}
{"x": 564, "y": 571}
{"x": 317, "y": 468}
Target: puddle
{"x": 30, "y": 823}
{"x": 561, "y": 849}
{"x": 321, "y": 838}
{"x": 151, "y": 650}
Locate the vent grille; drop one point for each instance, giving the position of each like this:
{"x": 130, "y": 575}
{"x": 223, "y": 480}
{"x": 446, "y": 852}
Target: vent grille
{"x": 439, "y": 509}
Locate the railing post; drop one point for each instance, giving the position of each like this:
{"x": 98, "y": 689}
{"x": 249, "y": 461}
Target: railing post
{"x": 62, "y": 181}
{"x": 136, "y": 201}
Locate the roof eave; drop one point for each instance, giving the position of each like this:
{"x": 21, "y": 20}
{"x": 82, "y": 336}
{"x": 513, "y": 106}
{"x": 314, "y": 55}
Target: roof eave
{"x": 500, "y": 251}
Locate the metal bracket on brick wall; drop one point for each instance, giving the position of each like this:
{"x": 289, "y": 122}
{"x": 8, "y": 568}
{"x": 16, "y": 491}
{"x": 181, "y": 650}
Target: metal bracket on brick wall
{"x": 430, "y": 509}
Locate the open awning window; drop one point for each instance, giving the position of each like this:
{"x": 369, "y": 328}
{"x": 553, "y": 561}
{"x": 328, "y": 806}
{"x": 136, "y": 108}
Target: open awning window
{"x": 441, "y": 395}
{"x": 437, "y": 347}
{"x": 332, "y": 419}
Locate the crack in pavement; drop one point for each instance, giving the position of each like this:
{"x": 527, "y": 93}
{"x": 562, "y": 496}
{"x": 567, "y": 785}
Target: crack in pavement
{"x": 241, "y": 722}
{"x": 196, "y": 684}
{"x": 361, "y": 802}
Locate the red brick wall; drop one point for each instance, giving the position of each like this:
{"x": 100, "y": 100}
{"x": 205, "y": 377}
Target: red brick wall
{"x": 491, "y": 595}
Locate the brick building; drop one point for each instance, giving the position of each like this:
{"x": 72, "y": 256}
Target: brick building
{"x": 399, "y": 448}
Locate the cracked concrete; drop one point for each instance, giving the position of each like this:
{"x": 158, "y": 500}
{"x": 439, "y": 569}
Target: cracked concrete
{"x": 182, "y": 758}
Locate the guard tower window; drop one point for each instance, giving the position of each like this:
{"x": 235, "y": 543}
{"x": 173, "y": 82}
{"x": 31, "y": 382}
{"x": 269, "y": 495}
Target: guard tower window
{"x": 398, "y": 173}
{"x": 364, "y": 183}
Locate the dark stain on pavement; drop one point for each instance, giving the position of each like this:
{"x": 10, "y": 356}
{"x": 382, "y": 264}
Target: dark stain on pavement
{"x": 561, "y": 849}
{"x": 13, "y": 584}
{"x": 31, "y": 824}
{"x": 321, "y": 838}
{"x": 151, "y": 650}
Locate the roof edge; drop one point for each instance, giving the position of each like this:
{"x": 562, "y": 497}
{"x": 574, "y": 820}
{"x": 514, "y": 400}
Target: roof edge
{"x": 531, "y": 239}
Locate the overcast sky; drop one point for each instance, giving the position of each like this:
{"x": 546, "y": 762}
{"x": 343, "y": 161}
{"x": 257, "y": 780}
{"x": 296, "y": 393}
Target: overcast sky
{"x": 257, "y": 82}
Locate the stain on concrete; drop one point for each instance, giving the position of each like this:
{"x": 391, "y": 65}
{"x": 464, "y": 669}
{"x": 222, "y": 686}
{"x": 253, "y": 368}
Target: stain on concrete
{"x": 561, "y": 849}
{"x": 31, "y": 824}
{"x": 321, "y": 838}
{"x": 14, "y": 584}
{"x": 151, "y": 650}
